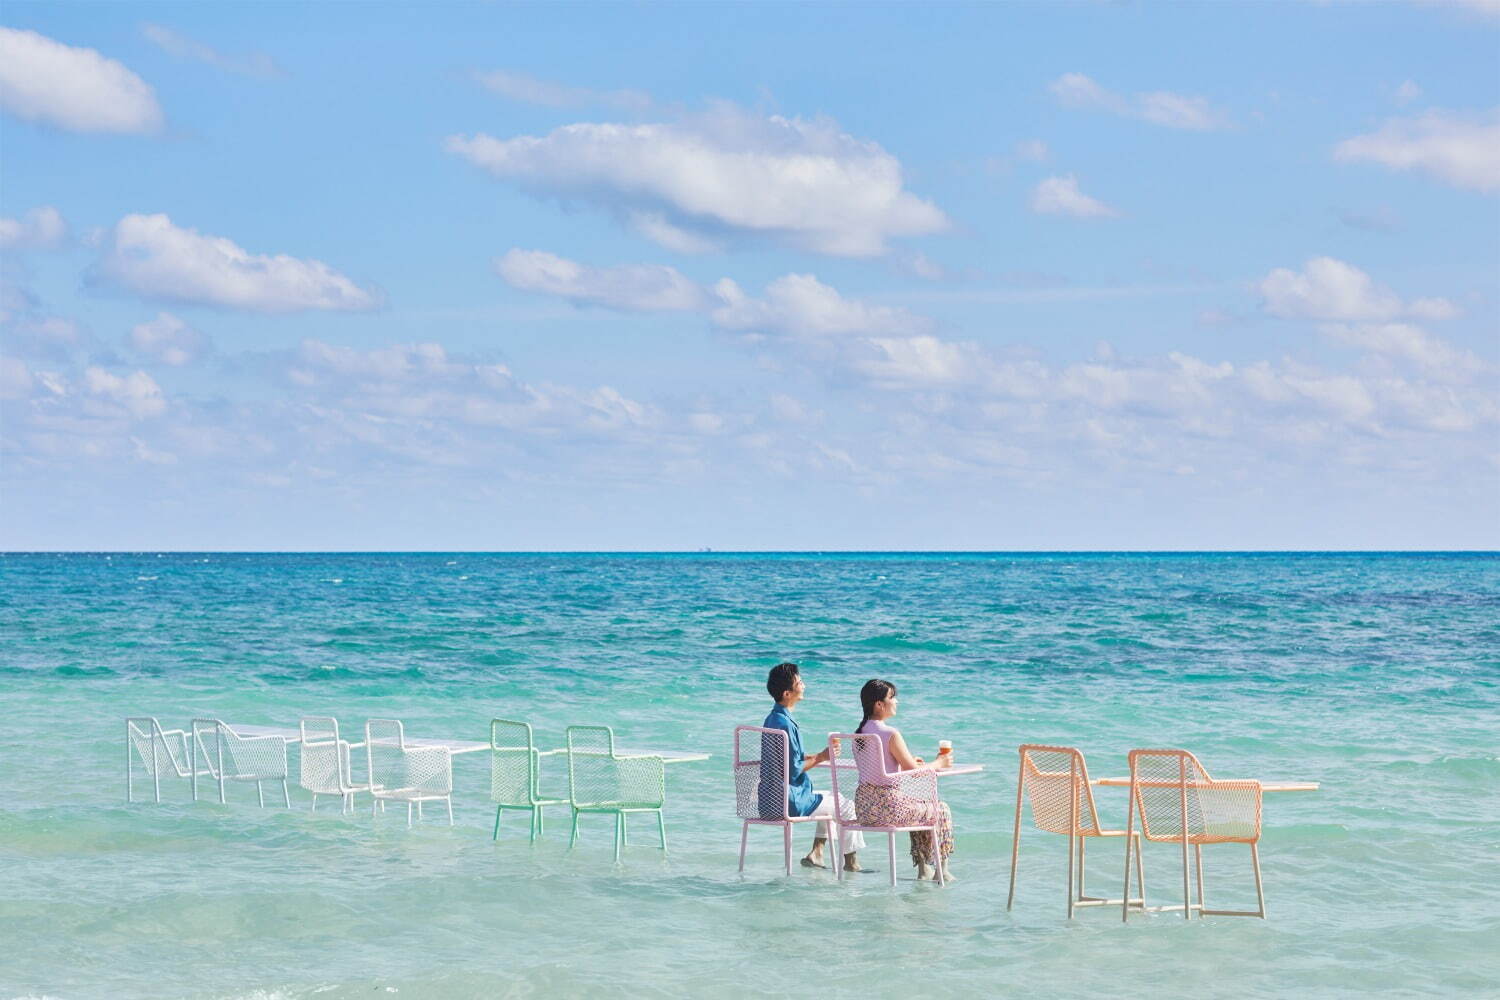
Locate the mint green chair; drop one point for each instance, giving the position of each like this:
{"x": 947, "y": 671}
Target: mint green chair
{"x": 601, "y": 781}
{"x": 515, "y": 773}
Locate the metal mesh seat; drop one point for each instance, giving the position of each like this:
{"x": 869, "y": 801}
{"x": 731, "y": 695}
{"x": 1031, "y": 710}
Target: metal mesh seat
{"x": 402, "y": 773}
{"x": 762, "y": 776}
{"x": 601, "y": 781}
{"x": 1179, "y": 802}
{"x": 159, "y": 751}
{"x": 854, "y": 758}
{"x": 325, "y": 765}
{"x": 1055, "y": 782}
{"x": 515, "y": 773}
{"x": 229, "y": 756}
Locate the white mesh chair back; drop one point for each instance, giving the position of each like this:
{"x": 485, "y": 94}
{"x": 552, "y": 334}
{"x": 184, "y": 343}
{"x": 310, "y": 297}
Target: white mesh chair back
{"x": 228, "y": 756}
{"x": 1056, "y": 781}
{"x": 323, "y": 768}
{"x": 161, "y": 752}
{"x": 762, "y": 773}
{"x": 385, "y": 754}
{"x": 514, "y": 768}
{"x": 1175, "y": 795}
{"x": 410, "y": 774}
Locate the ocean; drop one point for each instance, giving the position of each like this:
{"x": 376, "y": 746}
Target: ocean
{"x": 1376, "y": 675}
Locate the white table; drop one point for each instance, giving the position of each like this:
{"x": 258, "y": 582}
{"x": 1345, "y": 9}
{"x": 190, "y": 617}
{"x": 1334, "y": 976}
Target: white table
{"x": 1265, "y": 786}
{"x": 456, "y": 747}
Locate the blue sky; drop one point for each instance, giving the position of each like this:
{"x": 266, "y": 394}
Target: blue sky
{"x": 1044, "y": 276}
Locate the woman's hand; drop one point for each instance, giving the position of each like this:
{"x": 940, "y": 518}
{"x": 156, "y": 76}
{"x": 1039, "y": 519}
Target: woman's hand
{"x": 944, "y": 760}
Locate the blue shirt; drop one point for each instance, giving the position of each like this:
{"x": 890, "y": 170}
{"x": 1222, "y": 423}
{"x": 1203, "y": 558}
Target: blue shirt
{"x": 801, "y": 799}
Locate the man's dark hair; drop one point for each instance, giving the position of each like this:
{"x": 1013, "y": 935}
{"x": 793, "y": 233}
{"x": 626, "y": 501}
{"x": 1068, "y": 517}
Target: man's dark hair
{"x": 782, "y": 679}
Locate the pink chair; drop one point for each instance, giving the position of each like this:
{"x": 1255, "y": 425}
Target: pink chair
{"x": 1056, "y": 781}
{"x": 1179, "y": 803}
{"x": 861, "y": 757}
{"x": 762, "y": 775}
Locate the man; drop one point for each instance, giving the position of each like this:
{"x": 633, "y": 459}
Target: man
{"x": 786, "y": 687}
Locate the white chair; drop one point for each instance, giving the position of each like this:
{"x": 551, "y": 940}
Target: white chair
{"x": 515, "y": 773}
{"x": 406, "y": 774}
{"x": 325, "y": 766}
{"x": 762, "y": 775}
{"x": 858, "y": 757}
{"x": 158, "y": 750}
{"x": 229, "y": 756}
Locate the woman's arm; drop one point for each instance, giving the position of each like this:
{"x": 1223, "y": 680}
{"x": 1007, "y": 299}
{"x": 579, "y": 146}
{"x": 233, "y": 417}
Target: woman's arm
{"x": 908, "y": 762}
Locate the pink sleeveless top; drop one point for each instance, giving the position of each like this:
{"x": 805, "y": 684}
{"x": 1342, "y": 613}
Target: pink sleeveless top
{"x": 877, "y": 768}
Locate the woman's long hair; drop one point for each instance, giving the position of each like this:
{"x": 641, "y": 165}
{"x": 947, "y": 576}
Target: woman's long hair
{"x": 873, "y": 691}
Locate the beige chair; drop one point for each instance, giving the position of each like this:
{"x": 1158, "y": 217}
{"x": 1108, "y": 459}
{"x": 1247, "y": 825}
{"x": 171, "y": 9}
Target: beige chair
{"x": 1179, "y": 803}
{"x": 1056, "y": 782}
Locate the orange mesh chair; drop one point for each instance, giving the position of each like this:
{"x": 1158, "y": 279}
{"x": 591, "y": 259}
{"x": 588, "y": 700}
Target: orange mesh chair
{"x": 1179, "y": 803}
{"x": 1056, "y": 781}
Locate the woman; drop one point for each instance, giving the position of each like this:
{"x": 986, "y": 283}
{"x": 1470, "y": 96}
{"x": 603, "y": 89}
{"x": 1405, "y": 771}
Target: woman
{"x": 882, "y": 803}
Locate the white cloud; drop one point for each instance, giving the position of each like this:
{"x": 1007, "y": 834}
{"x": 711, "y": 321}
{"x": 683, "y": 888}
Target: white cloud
{"x": 1329, "y": 289}
{"x": 150, "y": 256}
{"x": 15, "y": 378}
{"x": 169, "y": 340}
{"x": 719, "y": 175}
{"x": 1159, "y": 107}
{"x": 1032, "y": 151}
{"x": 1408, "y": 91}
{"x": 799, "y": 305}
{"x": 1463, "y": 150}
{"x": 638, "y": 288}
{"x": 1409, "y": 343}
{"x": 43, "y": 228}
{"x": 530, "y": 90}
{"x": 76, "y": 89}
{"x": 137, "y": 393}
{"x": 179, "y": 45}
{"x": 1061, "y": 196}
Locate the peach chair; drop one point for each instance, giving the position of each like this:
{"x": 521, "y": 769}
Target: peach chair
{"x": 1056, "y": 781}
{"x": 856, "y": 758}
{"x": 762, "y": 773}
{"x": 1180, "y": 803}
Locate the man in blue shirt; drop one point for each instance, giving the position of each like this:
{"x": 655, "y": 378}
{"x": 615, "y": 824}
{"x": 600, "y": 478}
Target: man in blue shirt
{"x": 786, "y": 687}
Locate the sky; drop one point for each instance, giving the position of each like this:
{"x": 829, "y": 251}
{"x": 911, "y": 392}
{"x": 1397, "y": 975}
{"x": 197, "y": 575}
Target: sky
{"x": 1087, "y": 276}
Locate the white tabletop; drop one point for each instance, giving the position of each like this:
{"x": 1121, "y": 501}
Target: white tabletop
{"x": 1265, "y": 786}
{"x": 455, "y": 746}
{"x": 941, "y": 772}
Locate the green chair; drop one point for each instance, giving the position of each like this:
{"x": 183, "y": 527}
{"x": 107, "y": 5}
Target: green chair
{"x": 601, "y": 781}
{"x": 515, "y": 768}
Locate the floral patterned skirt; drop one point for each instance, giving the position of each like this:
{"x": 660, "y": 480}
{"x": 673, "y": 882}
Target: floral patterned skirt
{"x": 881, "y": 805}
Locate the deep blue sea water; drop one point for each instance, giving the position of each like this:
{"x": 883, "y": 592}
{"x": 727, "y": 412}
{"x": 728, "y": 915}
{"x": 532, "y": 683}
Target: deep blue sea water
{"x": 1377, "y": 675}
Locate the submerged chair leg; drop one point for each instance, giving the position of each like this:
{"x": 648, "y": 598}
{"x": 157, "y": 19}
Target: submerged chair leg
{"x": 1260, "y": 895}
{"x": 408, "y": 815}
{"x": 619, "y": 834}
{"x": 1015, "y": 840}
{"x": 890, "y": 840}
{"x": 449, "y": 803}
{"x": 661, "y": 828}
{"x": 744, "y": 835}
{"x": 315, "y": 803}
{"x": 286, "y": 795}
{"x": 498, "y": 811}
{"x": 574, "y": 838}
{"x": 786, "y": 845}
{"x": 1198, "y": 868}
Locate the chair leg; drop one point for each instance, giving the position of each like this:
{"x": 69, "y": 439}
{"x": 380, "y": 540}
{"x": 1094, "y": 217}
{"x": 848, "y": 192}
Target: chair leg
{"x": 498, "y": 811}
{"x": 619, "y": 834}
{"x": 1198, "y": 868}
{"x": 260, "y": 793}
{"x": 1187, "y": 909}
{"x": 786, "y": 843}
{"x": 744, "y": 835}
{"x": 315, "y": 803}
{"x": 1260, "y": 895}
{"x": 1015, "y": 840}
{"x": 1140, "y": 871}
{"x": 1072, "y": 864}
{"x": 937, "y": 858}
{"x": 661, "y": 828}
{"x": 574, "y": 838}
{"x": 408, "y": 815}
{"x": 449, "y": 803}
{"x": 1130, "y": 838}
{"x": 419, "y": 810}
{"x": 624, "y": 830}
{"x": 890, "y": 840}
{"x": 1083, "y": 882}
{"x": 286, "y": 795}
{"x": 541, "y": 820}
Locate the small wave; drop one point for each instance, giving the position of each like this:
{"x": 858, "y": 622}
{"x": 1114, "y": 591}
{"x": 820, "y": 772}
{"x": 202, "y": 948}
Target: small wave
{"x": 146, "y": 578}
{"x": 70, "y": 670}
{"x": 895, "y": 641}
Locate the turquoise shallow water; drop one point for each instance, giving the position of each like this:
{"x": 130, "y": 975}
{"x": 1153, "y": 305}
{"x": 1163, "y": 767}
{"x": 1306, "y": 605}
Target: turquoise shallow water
{"x": 1377, "y": 675}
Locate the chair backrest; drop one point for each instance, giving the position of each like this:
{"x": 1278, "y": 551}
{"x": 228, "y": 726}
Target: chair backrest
{"x": 1175, "y": 793}
{"x": 155, "y": 750}
{"x": 323, "y": 764}
{"x": 1056, "y": 781}
{"x": 762, "y": 773}
{"x": 385, "y": 753}
{"x": 592, "y": 775}
{"x": 513, "y": 763}
{"x": 228, "y": 754}
{"x": 845, "y": 751}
